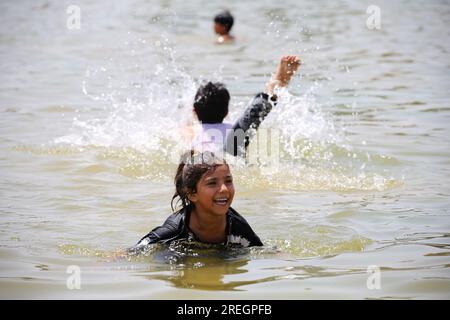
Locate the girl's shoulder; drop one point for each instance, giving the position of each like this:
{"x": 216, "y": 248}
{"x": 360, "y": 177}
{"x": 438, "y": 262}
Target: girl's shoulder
{"x": 171, "y": 228}
{"x": 235, "y": 215}
{"x": 241, "y": 229}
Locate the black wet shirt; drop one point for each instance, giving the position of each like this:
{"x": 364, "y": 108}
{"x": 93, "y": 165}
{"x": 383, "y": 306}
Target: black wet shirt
{"x": 248, "y": 123}
{"x": 239, "y": 232}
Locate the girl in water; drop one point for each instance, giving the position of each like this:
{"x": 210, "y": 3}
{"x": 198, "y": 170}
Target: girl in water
{"x": 204, "y": 187}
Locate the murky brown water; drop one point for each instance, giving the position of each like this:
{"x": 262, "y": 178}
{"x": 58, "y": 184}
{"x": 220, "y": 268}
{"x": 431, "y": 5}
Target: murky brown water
{"x": 89, "y": 123}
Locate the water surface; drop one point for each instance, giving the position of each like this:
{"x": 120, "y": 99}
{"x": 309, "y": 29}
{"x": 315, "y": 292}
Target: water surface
{"x": 89, "y": 124}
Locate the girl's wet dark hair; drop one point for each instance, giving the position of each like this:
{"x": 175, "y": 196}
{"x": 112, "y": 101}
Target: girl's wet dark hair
{"x": 193, "y": 165}
{"x": 226, "y": 19}
{"x": 211, "y": 102}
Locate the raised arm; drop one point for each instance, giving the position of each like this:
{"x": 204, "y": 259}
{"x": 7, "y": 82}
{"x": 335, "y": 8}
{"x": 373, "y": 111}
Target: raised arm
{"x": 238, "y": 140}
{"x": 286, "y": 69}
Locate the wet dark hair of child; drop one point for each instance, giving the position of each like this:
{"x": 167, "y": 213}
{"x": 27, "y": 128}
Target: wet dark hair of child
{"x": 211, "y": 102}
{"x": 193, "y": 165}
{"x": 226, "y": 19}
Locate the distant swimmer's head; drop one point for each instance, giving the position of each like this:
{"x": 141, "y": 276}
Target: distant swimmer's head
{"x": 204, "y": 180}
{"x": 211, "y": 102}
{"x": 223, "y": 22}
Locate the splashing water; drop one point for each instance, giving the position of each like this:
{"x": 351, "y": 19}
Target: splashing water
{"x": 138, "y": 111}
{"x": 144, "y": 99}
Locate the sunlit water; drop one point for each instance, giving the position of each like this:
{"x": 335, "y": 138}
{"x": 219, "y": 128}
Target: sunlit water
{"x": 90, "y": 129}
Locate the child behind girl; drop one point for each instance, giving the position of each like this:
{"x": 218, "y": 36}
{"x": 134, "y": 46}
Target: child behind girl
{"x": 211, "y": 107}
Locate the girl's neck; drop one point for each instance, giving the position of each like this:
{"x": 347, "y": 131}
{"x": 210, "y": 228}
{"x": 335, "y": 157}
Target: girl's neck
{"x": 207, "y": 228}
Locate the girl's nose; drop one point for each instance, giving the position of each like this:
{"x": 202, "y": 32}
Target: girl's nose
{"x": 223, "y": 188}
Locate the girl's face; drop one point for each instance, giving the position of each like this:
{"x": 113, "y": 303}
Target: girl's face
{"x": 215, "y": 191}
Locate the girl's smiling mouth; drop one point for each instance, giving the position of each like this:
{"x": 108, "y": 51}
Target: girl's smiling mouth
{"x": 221, "y": 201}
